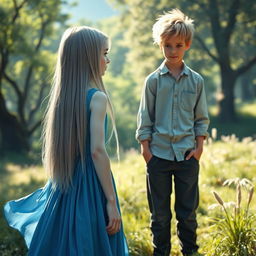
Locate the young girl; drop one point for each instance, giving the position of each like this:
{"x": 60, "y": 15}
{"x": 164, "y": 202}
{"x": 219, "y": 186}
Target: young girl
{"x": 77, "y": 212}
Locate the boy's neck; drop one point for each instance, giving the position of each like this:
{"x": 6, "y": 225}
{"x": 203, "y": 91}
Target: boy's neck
{"x": 175, "y": 69}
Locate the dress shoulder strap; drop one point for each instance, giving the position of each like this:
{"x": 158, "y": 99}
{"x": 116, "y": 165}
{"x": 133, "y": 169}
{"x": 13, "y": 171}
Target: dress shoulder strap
{"x": 90, "y": 93}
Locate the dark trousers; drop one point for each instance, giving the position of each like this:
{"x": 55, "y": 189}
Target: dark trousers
{"x": 159, "y": 189}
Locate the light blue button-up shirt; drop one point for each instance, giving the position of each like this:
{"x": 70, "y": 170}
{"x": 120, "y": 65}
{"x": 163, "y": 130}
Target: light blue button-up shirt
{"x": 172, "y": 112}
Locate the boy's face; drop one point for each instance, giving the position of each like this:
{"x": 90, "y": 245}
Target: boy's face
{"x": 174, "y": 48}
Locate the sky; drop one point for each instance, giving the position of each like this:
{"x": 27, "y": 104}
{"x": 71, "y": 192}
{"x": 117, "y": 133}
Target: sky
{"x": 92, "y": 10}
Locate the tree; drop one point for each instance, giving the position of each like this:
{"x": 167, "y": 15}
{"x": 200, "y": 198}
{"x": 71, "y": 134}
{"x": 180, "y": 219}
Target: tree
{"x": 25, "y": 59}
{"x": 228, "y": 21}
{"x": 223, "y": 27}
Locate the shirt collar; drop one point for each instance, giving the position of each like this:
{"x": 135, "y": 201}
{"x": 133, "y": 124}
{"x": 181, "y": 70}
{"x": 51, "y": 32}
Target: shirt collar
{"x": 164, "y": 70}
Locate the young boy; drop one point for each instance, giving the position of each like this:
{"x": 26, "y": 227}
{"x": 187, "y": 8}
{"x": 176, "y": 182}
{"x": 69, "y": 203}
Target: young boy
{"x": 172, "y": 125}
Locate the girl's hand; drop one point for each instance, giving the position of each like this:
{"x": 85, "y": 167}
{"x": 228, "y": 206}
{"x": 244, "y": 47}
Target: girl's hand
{"x": 114, "y": 223}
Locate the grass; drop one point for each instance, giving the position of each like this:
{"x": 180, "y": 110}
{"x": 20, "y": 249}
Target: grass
{"x": 222, "y": 160}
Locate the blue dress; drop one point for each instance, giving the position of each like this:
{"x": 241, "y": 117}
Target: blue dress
{"x": 72, "y": 223}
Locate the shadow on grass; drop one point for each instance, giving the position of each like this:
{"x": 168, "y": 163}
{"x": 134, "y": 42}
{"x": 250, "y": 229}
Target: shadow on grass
{"x": 23, "y": 160}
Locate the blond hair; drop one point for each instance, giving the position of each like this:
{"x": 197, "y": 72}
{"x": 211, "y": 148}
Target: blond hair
{"x": 173, "y": 23}
{"x": 65, "y": 122}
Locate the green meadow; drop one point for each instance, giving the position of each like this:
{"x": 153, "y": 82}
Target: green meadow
{"x": 222, "y": 159}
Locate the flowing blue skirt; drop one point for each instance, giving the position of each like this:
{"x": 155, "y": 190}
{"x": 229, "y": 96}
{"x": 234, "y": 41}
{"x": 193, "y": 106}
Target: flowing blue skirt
{"x": 70, "y": 223}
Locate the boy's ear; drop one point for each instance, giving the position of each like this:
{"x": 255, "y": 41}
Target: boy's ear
{"x": 188, "y": 44}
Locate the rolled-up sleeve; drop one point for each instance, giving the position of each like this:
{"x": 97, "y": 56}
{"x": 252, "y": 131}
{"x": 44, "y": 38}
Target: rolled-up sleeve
{"x": 201, "y": 112}
{"x": 146, "y": 113}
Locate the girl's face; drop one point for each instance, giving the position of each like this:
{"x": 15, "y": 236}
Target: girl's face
{"x": 104, "y": 60}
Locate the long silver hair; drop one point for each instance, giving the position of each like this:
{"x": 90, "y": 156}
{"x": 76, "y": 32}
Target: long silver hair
{"x": 65, "y": 121}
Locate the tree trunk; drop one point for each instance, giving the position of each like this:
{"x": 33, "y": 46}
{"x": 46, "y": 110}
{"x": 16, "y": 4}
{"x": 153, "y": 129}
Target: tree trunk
{"x": 247, "y": 93}
{"x": 226, "y": 103}
{"x": 14, "y": 137}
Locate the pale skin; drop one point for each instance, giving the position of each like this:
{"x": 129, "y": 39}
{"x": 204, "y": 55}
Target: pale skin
{"x": 101, "y": 160}
{"x": 98, "y": 107}
{"x": 173, "y": 49}
{"x": 104, "y": 60}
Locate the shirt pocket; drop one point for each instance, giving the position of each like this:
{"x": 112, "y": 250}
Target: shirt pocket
{"x": 188, "y": 100}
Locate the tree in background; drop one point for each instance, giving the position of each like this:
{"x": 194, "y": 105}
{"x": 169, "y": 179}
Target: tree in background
{"x": 232, "y": 25}
{"x": 25, "y": 58}
{"x": 224, "y": 31}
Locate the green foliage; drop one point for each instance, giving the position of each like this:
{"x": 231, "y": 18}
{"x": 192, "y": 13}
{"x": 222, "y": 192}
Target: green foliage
{"x": 126, "y": 106}
{"x": 234, "y": 232}
{"x": 27, "y": 32}
{"x": 118, "y": 48}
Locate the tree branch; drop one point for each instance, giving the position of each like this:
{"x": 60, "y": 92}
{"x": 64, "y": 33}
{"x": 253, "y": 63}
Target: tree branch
{"x": 13, "y": 84}
{"x": 38, "y": 102}
{"x": 19, "y": 96}
{"x": 233, "y": 11}
{"x": 4, "y": 62}
{"x": 31, "y": 67}
{"x": 3, "y": 108}
{"x": 217, "y": 30}
{"x": 214, "y": 14}
{"x": 215, "y": 58}
{"x": 17, "y": 10}
{"x": 248, "y": 21}
{"x": 34, "y": 127}
{"x": 42, "y": 32}
{"x": 27, "y": 84}
{"x": 245, "y": 67}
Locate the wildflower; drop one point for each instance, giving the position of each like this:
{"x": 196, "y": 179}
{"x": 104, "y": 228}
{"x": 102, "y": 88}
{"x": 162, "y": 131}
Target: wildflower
{"x": 250, "y": 195}
{"x": 217, "y": 197}
{"x": 238, "y": 196}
